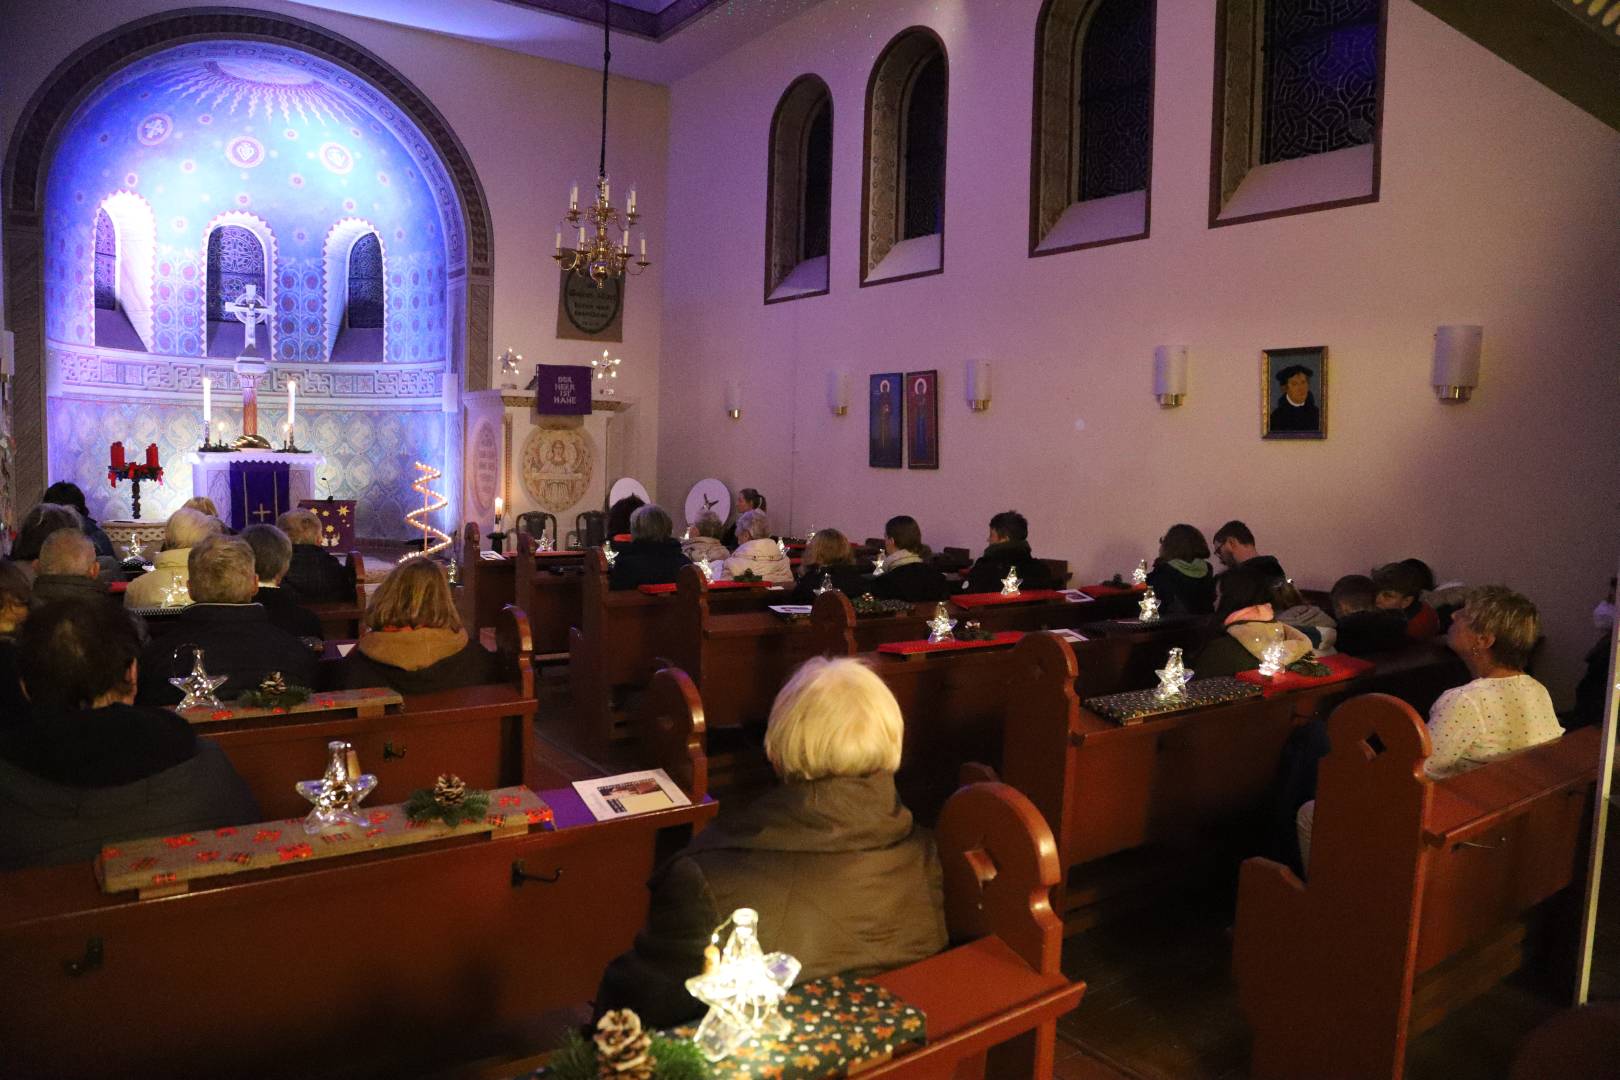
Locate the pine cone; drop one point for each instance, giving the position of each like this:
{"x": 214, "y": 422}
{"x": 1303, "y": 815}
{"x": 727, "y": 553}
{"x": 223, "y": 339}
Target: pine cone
{"x": 274, "y": 685}
{"x": 623, "y": 1050}
{"x": 449, "y": 790}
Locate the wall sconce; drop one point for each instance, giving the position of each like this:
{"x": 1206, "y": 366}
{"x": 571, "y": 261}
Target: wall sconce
{"x": 1456, "y": 362}
{"x": 734, "y": 400}
{"x": 838, "y": 392}
{"x": 1170, "y": 375}
{"x": 978, "y": 385}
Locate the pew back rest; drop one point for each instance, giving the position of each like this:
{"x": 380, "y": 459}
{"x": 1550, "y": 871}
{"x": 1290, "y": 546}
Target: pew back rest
{"x": 669, "y": 724}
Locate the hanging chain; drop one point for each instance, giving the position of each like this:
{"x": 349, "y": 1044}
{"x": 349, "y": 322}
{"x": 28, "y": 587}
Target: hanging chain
{"x": 607, "y": 58}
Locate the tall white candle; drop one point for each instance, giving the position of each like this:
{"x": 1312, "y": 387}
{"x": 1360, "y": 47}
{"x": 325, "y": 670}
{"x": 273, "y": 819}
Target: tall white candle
{"x": 292, "y": 403}
{"x": 582, "y": 238}
{"x": 573, "y": 198}
{"x": 208, "y": 402}
{"x": 559, "y": 239}
{"x": 631, "y": 207}
{"x": 500, "y": 505}
{"x": 643, "y": 247}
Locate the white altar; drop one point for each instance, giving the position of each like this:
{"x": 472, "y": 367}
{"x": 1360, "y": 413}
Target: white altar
{"x": 211, "y": 475}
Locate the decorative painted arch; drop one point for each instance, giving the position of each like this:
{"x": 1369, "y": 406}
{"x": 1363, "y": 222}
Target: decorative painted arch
{"x": 49, "y": 110}
{"x": 136, "y": 226}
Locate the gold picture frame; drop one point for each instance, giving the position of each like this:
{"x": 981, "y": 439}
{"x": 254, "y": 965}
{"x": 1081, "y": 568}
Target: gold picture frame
{"x": 1282, "y": 417}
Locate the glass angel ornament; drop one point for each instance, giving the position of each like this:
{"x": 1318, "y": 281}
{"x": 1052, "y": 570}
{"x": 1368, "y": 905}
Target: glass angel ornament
{"x": 1148, "y": 607}
{"x": 1273, "y": 661}
{"x": 707, "y": 568}
{"x": 544, "y": 543}
{"x": 1010, "y": 583}
{"x": 1173, "y": 677}
{"x": 1140, "y": 574}
{"x": 198, "y": 686}
{"x": 940, "y": 627}
{"x": 339, "y": 791}
{"x": 826, "y": 585}
{"x": 742, "y": 985}
{"x": 608, "y": 553}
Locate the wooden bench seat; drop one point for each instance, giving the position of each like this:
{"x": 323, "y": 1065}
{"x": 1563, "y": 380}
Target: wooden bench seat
{"x": 1414, "y": 884}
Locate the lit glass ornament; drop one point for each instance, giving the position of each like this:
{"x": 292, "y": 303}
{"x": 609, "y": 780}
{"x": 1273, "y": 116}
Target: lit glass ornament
{"x": 781, "y": 546}
{"x": 877, "y": 565}
{"x": 708, "y": 570}
{"x": 198, "y": 686}
{"x": 544, "y": 543}
{"x": 453, "y": 575}
{"x": 826, "y": 585}
{"x": 339, "y": 791}
{"x": 1139, "y": 575}
{"x": 1272, "y": 660}
{"x": 1173, "y": 677}
{"x": 940, "y": 627}
{"x": 608, "y": 553}
{"x": 176, "y": 594}
{"x": 1148, "y": 607}
{"x": 1010, "y": 583}
{"x": 742, "y": 985}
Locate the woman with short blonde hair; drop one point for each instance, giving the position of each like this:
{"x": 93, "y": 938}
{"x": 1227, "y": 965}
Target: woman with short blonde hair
{"x": 203, "y": 505}
{"x": 830, "y": 858}
{"x": 170, "y": 575}
{"x": 416, "y": 643}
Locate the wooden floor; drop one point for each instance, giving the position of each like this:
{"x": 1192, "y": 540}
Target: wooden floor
{"x": 1160, "y": 1003}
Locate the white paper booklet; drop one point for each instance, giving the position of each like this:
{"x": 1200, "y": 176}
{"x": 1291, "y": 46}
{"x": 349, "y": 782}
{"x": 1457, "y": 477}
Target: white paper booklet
{"x": 1075, "y": 596}
{"x": 630, "y": 793}
{"x": 1070, "y": 635}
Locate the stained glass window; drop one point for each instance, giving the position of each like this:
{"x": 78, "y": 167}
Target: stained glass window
{"x": 235, "y": 258}
{"x": 1320, "y": 89}
{"x": 366, "y": 283}
{"x": 817, "y": 184}
{"x": 922, "y": 151}
{"x": 106, "y": 262}
{"x": 1116, "y": 100}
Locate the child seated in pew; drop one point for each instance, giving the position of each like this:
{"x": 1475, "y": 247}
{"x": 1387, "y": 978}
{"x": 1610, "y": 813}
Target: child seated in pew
{"x": 653, "y": 556}
{"x": 1502, "y": 710}
{"x": 1364, "y": 627}
{"x": 830, "y": 858}
{"x": 415, "y": 643}
{"x": 1249, "y": 624}
{"x": 1181, "y": 577}
{"x": 1308, "y": 619}
{"x": 906, "y": 576}
{"x": 89, "y": 766}
{"x": 315, "y": 576}
{"x": 1399, "y": 587}
{"x": 829, "y": 558}
{"x": 1007, "y": 549}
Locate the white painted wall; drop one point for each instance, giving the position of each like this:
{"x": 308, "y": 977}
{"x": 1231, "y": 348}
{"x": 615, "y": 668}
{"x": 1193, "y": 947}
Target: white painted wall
{"x": 1499, "y": 206}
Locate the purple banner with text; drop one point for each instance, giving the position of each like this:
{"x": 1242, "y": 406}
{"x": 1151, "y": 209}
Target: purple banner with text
{"x": 562, "y": 390}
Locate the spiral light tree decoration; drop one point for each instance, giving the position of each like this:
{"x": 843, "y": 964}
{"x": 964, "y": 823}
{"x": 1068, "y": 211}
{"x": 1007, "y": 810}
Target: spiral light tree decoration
{"x": 433, "y": 539}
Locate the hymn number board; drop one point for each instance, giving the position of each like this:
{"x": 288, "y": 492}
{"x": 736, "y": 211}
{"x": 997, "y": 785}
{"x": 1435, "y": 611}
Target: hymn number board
{"x": 904, "y": 420}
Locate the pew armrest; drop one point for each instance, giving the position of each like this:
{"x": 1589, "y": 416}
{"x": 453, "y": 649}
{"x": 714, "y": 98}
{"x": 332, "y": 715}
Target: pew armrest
{"x": 672, "y": 731}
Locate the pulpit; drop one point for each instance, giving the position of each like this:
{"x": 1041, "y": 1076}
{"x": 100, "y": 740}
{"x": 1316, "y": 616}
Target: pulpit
{"x": 211, "y": 476}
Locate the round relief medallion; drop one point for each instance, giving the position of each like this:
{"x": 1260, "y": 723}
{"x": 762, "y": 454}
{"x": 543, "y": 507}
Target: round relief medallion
{"x": 556, "y": 468}
{"x": 486, "y": 455}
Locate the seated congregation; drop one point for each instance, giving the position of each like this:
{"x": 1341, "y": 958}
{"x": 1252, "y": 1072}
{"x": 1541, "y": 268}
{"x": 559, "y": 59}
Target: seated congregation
{"x": 828, "y": 844}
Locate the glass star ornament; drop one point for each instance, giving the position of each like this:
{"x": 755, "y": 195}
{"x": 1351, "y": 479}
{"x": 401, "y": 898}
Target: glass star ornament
{"x": 1010, "y": 583}
{"x": 1271, "y": 660}
{"x": 608, "y": 553}
{"x": 940, "y": 627}
{"x": 826, "y": 585}
{"x": 877, "y": 565}
{"x": 781, "y": 546}
{"x": 176, "y": 594}
{"x": 545, "y": 543}
{"x": 1139, "y": 575}
{"x": 337, "y": 793}
{"x": 708, "y": 570}
{"x": 1148, "y": 607}
{"x": 1173, "y": 677}
{"x": 198, "y": 686}
{"x": 742, "y": 985}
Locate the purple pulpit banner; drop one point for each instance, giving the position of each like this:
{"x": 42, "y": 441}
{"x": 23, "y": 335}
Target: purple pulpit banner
{"x": 562, "y": 390}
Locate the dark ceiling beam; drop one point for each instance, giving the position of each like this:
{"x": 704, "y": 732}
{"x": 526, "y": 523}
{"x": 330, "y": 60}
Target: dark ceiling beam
{"x": 654, "y": 26}
{"x": 1564, "y": 46}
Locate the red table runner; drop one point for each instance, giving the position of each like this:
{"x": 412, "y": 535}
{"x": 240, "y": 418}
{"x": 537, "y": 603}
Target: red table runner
{"x": 117, "y": 587}
{"x": 1343, "y": 668}
{"x": 1101, "y": 590}
{"x": 669, "y": 587}
{"x": 989, "y": 599}
{"x": 915, "y": 648}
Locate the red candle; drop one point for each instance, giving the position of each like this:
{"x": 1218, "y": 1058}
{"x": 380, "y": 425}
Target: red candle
{"x": 117, "y": 455}
{"x": 151, "y": 455}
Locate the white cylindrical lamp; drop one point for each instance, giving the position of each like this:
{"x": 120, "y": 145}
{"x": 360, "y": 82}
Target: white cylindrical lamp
{"x": 1170, "y": 375}
{"x": 838, "y": 392}
{"x": 734, "y": 399}
{"x": 978, "y": 385}
{"x": 1457, "y": 351}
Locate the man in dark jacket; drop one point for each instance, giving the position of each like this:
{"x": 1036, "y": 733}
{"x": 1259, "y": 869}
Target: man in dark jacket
{"x": 1008, "y": 550}
{"x": 89, "y": 767}
{"x": 314, "y": 574}
{"x": 905, "y": 575}
{"x": 272, "y": 554}
{"x": 68, "y": 570}
{"x": 67, "y": 493}
{"x": 1234, "y": 547}
{"x": 234, "y": 633}
{"x": 653, "y": 556}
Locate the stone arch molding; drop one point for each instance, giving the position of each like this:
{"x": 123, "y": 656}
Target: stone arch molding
{"x": 28, "y": 159}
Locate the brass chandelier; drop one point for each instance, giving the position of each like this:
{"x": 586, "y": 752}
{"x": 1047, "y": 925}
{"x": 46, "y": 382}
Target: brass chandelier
{"x": 603, "y": 248}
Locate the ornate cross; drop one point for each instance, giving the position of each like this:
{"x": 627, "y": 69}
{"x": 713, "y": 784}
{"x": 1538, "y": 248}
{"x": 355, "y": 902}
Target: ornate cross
{"x": 250, "y": 311}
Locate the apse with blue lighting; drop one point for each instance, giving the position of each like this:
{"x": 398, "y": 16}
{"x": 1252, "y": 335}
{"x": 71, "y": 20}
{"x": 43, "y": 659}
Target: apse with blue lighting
{"x": 200, "y": 170}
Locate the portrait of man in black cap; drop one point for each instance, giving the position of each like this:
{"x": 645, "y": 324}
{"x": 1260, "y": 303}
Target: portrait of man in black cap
{"x": 1295, "y": 376}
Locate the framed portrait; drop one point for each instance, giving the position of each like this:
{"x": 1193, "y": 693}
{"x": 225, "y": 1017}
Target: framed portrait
{"x": 887, "y": 403}
{"x": 1294, "y": 393}
{"x": 922, "y": 419}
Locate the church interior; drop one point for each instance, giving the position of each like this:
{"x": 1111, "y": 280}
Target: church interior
{"x": 528, "y": 554}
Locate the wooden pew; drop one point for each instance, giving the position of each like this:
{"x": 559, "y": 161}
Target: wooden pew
{"x": 487, "y": 585}
{"x": 345, "y": 619}
{"x": 484, "y": 734}
{"x": 391, "y": 963}
{"x": 549, "y": 588}
{"x": 1107, "y": 788}
{"x": 1411, "y": 881}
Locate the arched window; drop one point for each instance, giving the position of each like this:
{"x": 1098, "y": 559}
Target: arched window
{"x": 1093, "y": 147}
{"x": 356, "y": 293}
{"x": 1297, "y": 120}
{"x": 124, "y": 240}
{"x": 903, "y": 216}
{"x": 365, "y": 284}
{"x": 236, "y": 259}
{"x": 799, "y": 192}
